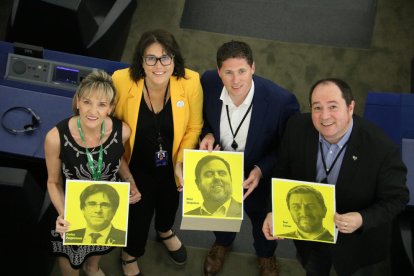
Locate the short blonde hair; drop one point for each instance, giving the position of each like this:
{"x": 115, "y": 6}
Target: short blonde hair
{"x": 96, "y": 82}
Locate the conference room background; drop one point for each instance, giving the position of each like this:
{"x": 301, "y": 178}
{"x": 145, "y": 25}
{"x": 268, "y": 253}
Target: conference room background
{"x": 368, "y": 43}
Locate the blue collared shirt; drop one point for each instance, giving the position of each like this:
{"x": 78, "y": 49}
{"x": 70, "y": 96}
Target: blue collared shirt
{"x": 331, "y": 151}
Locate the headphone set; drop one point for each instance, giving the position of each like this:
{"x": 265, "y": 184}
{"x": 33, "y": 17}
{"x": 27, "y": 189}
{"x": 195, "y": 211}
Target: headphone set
{"x": 27, "y": 128}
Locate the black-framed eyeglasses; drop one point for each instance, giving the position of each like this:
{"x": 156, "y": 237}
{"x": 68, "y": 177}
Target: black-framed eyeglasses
{"x": 152, "y": 60}
{"x": 102, "y": 205}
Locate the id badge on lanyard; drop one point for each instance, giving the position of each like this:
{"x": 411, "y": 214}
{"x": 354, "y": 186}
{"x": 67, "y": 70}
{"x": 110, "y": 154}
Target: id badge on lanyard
{"x": 161, "y": 158}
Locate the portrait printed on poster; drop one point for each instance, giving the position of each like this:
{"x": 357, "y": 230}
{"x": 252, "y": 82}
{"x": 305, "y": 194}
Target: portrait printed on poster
{"x": 213, "y": 184}
{"x": 97, "y": 212}
{"x": 305, "y": 210}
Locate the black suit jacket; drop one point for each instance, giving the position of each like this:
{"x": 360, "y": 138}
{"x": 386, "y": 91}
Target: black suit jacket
{"x": 235, "y": 210}
{"x": 371, "y": 181}
{"x": 115, "y": 236}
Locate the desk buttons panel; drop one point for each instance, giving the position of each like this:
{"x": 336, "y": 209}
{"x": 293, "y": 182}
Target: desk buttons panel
{"x": 28, "y": 69}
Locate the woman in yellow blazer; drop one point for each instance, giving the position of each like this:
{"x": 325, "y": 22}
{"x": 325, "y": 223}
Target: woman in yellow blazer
{"x": 161, "y": 101}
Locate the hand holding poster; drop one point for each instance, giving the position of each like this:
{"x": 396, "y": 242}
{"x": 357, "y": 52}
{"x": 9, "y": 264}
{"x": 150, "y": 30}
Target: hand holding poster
{"x": 97, "y": 212}
{"x": 303, "y": 210}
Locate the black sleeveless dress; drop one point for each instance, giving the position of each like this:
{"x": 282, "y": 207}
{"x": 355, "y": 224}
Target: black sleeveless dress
{"x": 75, "y": 166}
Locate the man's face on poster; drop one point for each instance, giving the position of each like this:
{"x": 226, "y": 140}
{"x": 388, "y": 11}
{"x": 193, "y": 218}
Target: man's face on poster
{"x": 306, "y": 212}
{"x": 215, "y": 182}
{"x": 98, "y": 211}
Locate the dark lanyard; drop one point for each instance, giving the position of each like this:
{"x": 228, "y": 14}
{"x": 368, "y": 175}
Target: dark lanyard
{"x": 234, "y": 145}
{"x": 96, "y": 172}
{"x": 158, "y": 123}
{"x": 328, "y": 171}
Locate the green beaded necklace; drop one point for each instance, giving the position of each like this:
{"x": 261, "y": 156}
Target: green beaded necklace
{"x": 96, "y": 171}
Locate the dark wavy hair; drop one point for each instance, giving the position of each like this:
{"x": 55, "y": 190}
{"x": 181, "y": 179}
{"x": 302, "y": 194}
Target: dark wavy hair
{"x": 170, "y": 46}
{"x": 234, "y": 49}
{"x": 108, "y": 190}
{"x": 346, "y": 90}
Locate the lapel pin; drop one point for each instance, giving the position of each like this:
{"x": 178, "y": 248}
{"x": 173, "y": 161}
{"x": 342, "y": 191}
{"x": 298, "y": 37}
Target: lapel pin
{"x": 180, "y": 104}
{"x": 354, "y": 157}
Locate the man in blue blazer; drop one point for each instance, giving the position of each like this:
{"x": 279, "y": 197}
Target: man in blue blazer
{"x": 244, "y": 112}
{"x": 332, "y": 145}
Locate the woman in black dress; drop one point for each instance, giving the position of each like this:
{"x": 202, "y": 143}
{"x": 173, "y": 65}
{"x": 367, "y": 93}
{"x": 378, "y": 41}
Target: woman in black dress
{"x": 87, "y": 146}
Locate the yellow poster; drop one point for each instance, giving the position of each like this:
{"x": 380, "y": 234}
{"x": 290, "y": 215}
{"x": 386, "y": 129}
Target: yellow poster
{"x": 303, "y": 210}
{"x": 213, "y": 191}
{"x": 97, "y": 212}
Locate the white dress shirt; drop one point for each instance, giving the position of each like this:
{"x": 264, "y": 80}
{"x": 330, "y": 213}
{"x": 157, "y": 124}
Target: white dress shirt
{"x": 236, "y": 114}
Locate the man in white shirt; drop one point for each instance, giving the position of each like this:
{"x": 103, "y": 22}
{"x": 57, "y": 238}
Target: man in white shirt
{"x": 246, "y": 113}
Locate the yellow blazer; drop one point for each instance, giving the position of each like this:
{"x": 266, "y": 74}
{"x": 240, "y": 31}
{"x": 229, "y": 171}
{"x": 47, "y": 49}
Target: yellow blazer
{"x": 186, "y": 101}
